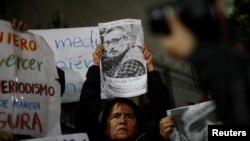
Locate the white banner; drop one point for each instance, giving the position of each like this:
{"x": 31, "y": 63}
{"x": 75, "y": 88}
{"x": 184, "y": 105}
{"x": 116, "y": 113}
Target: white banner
{"x": 70, "y": 137}
{"x": 73, "y": 48}
{"x": 29, "y": 94}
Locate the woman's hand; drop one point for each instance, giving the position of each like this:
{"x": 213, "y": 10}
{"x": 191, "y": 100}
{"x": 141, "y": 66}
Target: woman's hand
{"x": 18, "y": 25}
{"x": 166, "y": 127}
{"x": 98, "y": 54}
{"x": 148, "y": 56}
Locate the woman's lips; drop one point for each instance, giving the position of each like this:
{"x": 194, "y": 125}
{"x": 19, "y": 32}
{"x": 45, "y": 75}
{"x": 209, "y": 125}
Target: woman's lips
{"x": 123, "y": 129}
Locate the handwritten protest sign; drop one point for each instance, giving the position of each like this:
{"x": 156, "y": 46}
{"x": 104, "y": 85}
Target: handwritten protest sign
{"x": 70, "y": 137}
{"x": 123, "y": 67}
{"x": 29, "y": 94}
{"x": 73, "y": 48}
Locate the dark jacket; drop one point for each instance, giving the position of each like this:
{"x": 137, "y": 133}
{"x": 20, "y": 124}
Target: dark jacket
{"x": 88, "y": 116}
{"x": 226, "y": 75}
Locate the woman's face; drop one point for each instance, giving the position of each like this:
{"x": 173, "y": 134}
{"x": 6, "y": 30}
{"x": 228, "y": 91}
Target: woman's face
{"x": 122, "y": 123}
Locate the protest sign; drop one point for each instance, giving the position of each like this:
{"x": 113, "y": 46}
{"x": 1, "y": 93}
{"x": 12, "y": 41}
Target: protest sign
{"x": 123, "y": 68}
{"x": 73, "y": 48}
{"x": 192, "y": 121}
{"x": 29, "y": 94}
{"x": 70, "y": 137}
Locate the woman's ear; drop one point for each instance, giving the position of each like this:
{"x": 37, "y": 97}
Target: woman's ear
{"x": 107, "y": 132}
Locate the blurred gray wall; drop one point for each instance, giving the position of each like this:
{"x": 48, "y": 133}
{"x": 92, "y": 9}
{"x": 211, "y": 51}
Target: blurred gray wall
{"x": 78, "y": 13}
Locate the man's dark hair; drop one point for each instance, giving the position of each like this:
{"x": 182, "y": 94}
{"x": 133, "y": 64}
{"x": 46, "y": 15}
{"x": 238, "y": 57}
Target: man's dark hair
{"x": 108, "y": 109}
{"x": 114, "y": 29}
{"x": 110, "y": 30}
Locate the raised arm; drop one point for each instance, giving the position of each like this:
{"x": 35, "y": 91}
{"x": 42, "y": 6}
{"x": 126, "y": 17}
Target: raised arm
{"x": 158, "y": 96}
{"x": 90, "y": 102}
{"x": 158, "y": 92}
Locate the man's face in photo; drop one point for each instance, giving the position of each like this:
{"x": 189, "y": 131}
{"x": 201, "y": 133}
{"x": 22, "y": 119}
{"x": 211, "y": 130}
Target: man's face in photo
{"x": 196, "y": 126}
{"x": 115, "y": 43}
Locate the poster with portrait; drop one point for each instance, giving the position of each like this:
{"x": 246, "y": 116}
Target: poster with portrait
{"x": 192, "y": 121}
{"x": 123, "y": 68}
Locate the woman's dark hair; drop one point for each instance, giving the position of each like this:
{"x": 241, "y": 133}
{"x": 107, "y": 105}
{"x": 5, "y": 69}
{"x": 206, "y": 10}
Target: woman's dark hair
{"x": 108, "y": 109}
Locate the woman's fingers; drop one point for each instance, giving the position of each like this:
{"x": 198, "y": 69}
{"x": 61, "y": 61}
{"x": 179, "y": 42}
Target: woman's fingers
{"x": 18, "y": 25}
{"x": 24, "y": 28}
{"x": 150, "y": 59}
{"x": 98, "y": 54}
{"x": 166, "y": 127}
{"x": 167, "y": 122}
{"x": 99, "y": 49}
{"x": 168, "y": 130}
{"x": 146, "y": 53}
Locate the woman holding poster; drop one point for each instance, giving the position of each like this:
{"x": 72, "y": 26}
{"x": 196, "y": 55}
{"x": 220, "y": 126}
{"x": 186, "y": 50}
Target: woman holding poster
{"x": 121, "y": 118}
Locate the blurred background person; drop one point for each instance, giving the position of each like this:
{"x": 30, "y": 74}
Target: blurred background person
{"x": 196, "y": 31}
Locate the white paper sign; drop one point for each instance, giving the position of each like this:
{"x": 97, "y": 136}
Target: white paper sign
{"x": 71, "y": 137}
{"x": 123, "y": 67}
{"x": 29, "y": 94}
{"x": 73, "y": 48}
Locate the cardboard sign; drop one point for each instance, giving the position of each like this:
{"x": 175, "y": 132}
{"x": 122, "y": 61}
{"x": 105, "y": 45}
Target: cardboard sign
{"x": 29, "y": 94}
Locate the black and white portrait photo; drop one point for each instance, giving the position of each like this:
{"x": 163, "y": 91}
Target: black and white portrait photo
{"x": 122, "y": 41}
{"x": 120, "y": 52}
{"x": 192, "y": 121}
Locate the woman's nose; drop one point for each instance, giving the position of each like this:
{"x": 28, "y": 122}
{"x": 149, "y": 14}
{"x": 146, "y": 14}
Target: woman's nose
{"x": 123, "y": 119}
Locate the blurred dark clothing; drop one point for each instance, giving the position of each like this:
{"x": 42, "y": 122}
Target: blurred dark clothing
{"x": 227, "y": 75}
{"x": 61, "y": 79}
{"x": 88, "y": 116}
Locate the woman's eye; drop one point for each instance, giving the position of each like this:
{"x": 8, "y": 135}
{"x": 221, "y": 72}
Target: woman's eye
{"x": 115, "y": 116}
{"x": 131, "y": 116}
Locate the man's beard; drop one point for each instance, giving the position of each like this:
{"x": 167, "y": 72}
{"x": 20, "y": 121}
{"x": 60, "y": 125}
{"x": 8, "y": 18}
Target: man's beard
{"x": 110, "y": 64}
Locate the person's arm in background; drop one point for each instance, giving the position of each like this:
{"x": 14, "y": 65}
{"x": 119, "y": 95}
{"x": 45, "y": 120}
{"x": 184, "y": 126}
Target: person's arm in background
{"x": 87, "y": 117}
{"x": 158, "y": 96}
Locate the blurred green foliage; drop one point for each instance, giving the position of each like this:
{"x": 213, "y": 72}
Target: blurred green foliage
{"x": 240, "y": 22}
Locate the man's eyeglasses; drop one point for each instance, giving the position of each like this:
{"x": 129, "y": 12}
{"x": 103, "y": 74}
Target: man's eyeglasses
{"x": 114, "y": 41}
